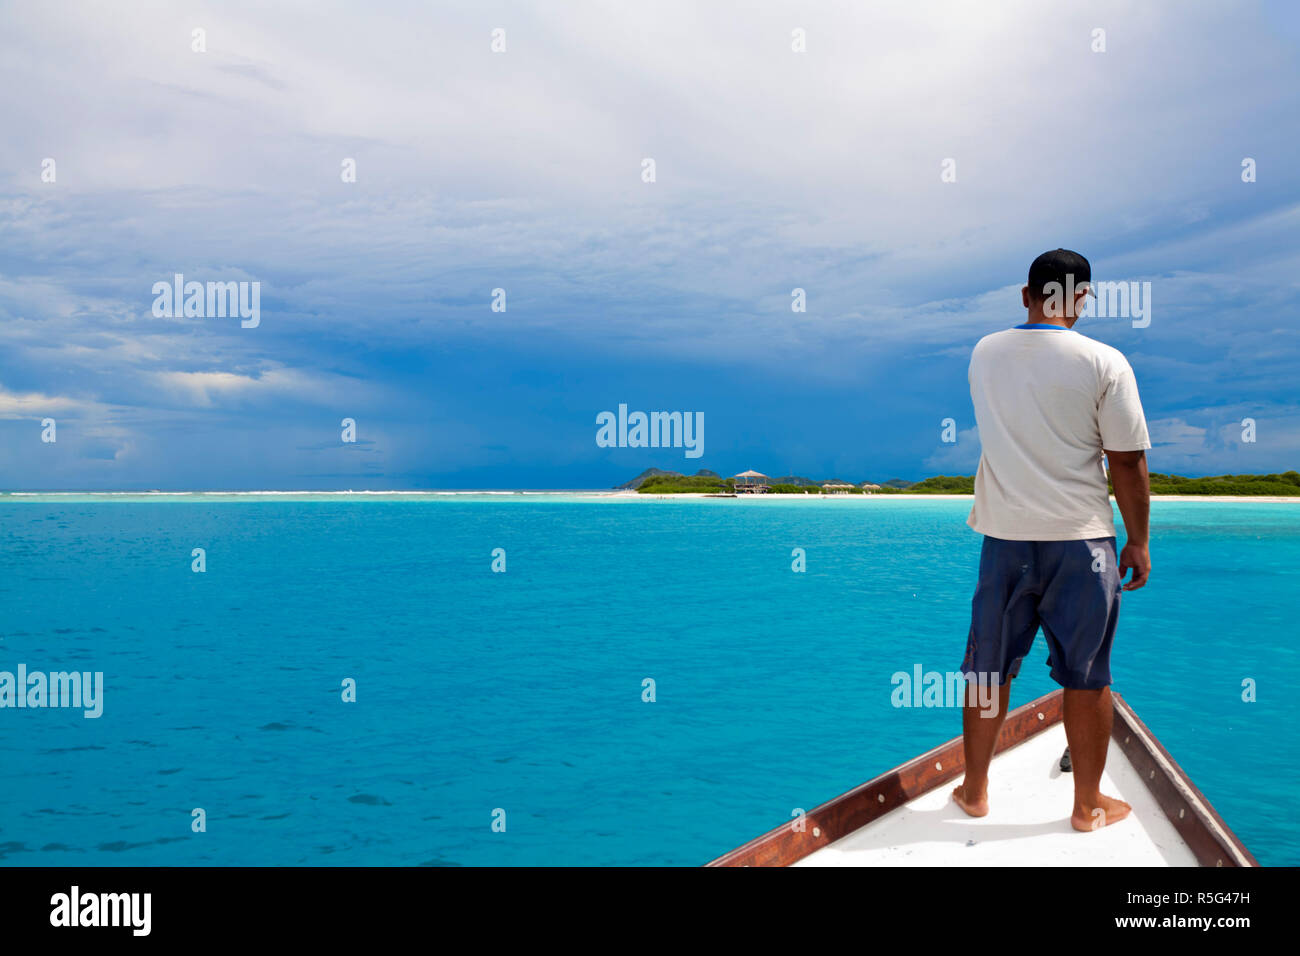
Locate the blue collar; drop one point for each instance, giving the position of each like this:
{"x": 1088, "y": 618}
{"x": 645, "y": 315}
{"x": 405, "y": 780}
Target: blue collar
{"x": 1042, "y": 326}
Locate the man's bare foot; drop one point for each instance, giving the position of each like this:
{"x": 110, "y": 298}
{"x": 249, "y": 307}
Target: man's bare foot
{"x": 975, "y": 806}
{"x": 1093, "y": 815}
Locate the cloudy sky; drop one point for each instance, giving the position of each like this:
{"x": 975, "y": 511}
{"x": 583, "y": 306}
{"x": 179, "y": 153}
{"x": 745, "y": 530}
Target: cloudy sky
{"x": 522, "y": 170}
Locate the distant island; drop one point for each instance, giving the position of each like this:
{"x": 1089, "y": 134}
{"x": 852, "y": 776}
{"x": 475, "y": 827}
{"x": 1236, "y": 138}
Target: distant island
{"x": 659, "y": 482}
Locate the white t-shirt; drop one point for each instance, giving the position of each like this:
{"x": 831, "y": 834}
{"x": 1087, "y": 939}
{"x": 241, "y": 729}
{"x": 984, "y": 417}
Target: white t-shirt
{"x": 1047, "y": 401}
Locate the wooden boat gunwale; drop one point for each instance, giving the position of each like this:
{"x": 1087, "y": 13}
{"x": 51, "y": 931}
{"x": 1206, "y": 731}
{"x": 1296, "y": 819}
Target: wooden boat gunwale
{"x": 1196, "y": 821}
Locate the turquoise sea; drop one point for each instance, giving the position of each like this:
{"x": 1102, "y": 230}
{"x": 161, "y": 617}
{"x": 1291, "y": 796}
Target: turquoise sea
{"x": 521, "y": 691}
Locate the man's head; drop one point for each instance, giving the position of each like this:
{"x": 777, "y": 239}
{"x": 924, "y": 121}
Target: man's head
{"x": 1059, "y": 283}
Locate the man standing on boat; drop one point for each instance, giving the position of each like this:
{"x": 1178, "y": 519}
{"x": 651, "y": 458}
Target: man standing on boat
{"x": 1049, "y": 403}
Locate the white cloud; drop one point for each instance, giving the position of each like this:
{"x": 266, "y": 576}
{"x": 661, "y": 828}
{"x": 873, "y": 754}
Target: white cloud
{"x": 35, "y": 405}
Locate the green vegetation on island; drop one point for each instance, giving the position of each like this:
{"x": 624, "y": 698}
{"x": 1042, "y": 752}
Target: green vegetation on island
{"x": 1285, "y": 484}
{"x": 684, "y": 484}
{"x": 943, "y": 485}
{"x": 655, "y": 481}
{"x": 674, "y": 482}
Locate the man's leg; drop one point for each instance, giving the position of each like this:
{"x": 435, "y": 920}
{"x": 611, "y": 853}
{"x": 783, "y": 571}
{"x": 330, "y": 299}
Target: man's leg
{"x": 1088, "y": 717}
{"x": 1080, "y": 611}
{"x": 1004, "y": 621}
{"x": 979, "y": 738}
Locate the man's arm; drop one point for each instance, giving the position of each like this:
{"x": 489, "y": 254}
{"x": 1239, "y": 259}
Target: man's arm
{"x": 1128, "y": 473}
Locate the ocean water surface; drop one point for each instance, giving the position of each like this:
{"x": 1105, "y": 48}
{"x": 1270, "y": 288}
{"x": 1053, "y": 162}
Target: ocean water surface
{"x": 521, "y": 692}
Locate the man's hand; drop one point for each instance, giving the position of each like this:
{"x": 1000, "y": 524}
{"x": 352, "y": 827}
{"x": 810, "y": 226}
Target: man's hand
{"x": 1137, "y": 557}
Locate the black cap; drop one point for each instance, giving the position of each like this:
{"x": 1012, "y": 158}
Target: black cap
{"x": 1057, "y": 266}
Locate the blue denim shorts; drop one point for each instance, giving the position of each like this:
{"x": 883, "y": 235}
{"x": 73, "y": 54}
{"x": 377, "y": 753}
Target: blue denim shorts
{"x": 1069, "y": 588}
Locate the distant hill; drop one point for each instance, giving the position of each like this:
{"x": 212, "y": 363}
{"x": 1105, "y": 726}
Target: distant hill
{"x": 640, "y": 479}
{"x": 649, "y": 473}
{"x": 703, "y": 482}
{"x": 897, "y": 483}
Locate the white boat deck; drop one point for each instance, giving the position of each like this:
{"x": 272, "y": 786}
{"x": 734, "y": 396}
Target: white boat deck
{"x": 1028, "y": 822}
